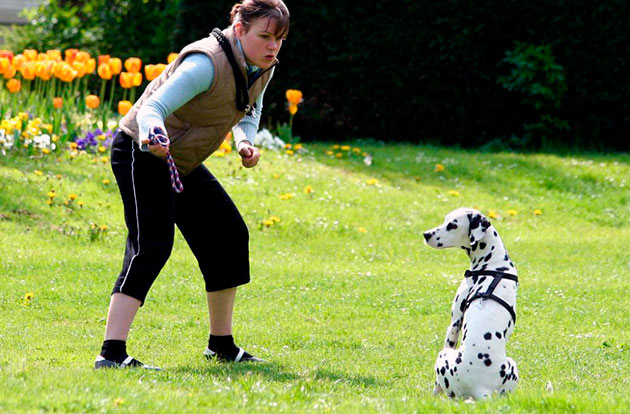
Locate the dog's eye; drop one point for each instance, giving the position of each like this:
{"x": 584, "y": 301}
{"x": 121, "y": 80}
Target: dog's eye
{"x": 451, "y": 226}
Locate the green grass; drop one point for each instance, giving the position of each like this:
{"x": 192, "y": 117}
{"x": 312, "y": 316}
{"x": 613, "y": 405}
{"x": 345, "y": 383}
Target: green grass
{"x": 346, "y": 300}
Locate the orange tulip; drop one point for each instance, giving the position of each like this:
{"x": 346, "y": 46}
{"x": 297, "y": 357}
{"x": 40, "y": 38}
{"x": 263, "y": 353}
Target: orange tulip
{"x": 65, "y": 72}
{"x": 71, "y": 55}
{"x": 137, "y": 79}
{"x": 28, "y": 71}
{"x": 103, "y": 59}
{"x": 115, "y": 64}
{"x": 54, "y": 54}
{"x": 92, "y": 101}
{"x": 90, "y": 65}
{"x": 44, "y": 70}
{"x": 133, "y": 64}
{"x": 18, "y": 61}
{"x": 30, "y": 54}
{"x": 57, "y": 102}
{"x": 126, "y": 79}
{"x": 293, "y": 109}
{"x": 124, "y": 107}
{"x": 6, "y": 54}
{"x": 4, "y": 64}
{"x": 9, "y": 72}
{"x": 153, "y": 71}
{"x": 294, "y": 96}
{"x": 42, "y": 56}
{"x": 82, "y": 56}
{"x": 171, "y": 57}
{"x": 14, "y": 85}
{"x": 79, "y": 67}
{"x": 104, "y": 71}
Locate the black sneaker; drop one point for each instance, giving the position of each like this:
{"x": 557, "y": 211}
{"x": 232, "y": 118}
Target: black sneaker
{"x": 242, "y": 356}
{"x": 129, "y": 362}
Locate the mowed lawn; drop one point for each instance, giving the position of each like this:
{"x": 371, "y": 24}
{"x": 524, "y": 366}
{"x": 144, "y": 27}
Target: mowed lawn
{"x": 346, "y": 302}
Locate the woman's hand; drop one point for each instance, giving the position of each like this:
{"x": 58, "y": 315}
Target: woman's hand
{"x": 157, "y": 149}
{"x": 249, "y": 154}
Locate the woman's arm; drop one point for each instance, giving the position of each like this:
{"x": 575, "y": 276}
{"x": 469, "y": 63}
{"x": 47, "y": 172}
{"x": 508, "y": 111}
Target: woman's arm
{"x": 247, "y": 127}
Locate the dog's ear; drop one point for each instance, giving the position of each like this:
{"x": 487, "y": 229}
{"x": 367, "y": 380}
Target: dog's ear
{"x": 478, "y": 226}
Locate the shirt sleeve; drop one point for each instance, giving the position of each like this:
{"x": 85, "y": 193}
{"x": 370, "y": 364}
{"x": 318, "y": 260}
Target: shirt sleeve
{"x": 247, "y": 127}
{"x": 193, "y": 76}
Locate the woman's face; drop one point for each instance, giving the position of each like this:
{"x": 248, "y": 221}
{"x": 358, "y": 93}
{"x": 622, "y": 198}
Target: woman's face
{"x": 260, "y": 44}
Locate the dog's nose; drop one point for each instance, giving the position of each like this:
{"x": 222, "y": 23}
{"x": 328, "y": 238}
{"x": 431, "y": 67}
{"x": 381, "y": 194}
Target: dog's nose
{"x": 427, "y": 236}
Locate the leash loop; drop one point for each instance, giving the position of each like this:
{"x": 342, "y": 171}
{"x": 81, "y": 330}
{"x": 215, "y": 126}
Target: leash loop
{"x": 158, "y": 137}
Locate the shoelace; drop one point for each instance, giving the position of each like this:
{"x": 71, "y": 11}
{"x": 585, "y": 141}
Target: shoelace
{"x": 158, "y": 137}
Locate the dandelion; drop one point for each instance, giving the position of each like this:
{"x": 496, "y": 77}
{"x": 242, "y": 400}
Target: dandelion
{"x": 329, "y": 152}
{"x": 308, "y": 189}
{"x": 297, "y": 147}
{"x": 335, "y": 147}
{"x": 46, "y": 151}
{"x": 288, "y": 146}
{"x": 339, "y": 155}
{"x": 537, "y": 212}
{"x": 372, "y": 181}
{"x": 290, "y": 152}
{"x": 274, "y": 219}
{"x": 492, "y": 214}
{"x": 362, "y": 230}
{"x": 286, "y": 196}
{"x": 58, "y": 176}
{"x": 512, "y": 212}
{"x": 106, "y": 181}
{"x": 104, "y": 160}
{"x": 80, "y": 203}
{"x": 267, "y": 223}
{"x": 104, "y": 228}
{"x": 50, "y": 201}
{"x": 28, "y": 298}
{"x": 356, "y": 150}
{"x": 275, "y": 175}
{"x": 345, "y": 148}
{"x": 51, "y": 194}
{"x": 453, "y": 193}
{"x": 72, "y": 197}
{"x": 439, "y": 167}
{"x": 118, "y": 401}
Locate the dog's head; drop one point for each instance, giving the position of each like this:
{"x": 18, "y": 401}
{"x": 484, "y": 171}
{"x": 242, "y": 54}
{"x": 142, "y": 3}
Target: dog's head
{"x": 463, "y": 228}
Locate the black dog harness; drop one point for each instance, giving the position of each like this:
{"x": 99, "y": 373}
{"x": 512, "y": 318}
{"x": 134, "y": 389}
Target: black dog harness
{"x": 489, "y": 294}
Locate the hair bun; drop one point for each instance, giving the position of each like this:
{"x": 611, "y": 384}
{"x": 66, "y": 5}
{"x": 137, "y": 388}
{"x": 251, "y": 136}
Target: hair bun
{"x": 236, "y": 9}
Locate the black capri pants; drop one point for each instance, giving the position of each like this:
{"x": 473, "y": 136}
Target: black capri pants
{"x": 203, "y": 212}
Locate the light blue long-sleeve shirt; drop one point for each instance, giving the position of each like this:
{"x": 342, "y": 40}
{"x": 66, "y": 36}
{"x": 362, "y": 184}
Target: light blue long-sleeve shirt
{"x": 193, "y": 77}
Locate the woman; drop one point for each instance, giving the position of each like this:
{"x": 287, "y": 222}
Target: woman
{"x": 215, "y": 85}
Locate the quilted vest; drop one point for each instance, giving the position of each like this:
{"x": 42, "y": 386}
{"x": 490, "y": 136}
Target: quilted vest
{"x": 197, "y": 129}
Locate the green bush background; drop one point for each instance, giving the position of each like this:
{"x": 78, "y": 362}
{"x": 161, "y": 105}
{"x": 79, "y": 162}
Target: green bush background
{"x": 452, "y": 72}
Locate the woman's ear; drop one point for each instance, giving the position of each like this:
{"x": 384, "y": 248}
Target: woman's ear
{"x": 239, "y": 29}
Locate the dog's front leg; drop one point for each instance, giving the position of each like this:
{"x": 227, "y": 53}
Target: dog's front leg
{"x": 457, "y": 316}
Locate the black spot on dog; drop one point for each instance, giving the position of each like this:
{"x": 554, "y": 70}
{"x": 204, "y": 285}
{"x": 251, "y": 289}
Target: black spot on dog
{"x": 442, "y": 370}
{"x": 487, "y": 336}
{"x": 451, "y": 343}
{"x": 446, "y": 382}
{"x": 451, "y": 226}
{"x": 498, "y": 334}
{"x": 480, "y": 355}
{"x": 502, "y": 269}
{"x": 458, "y": 361}
{"x": 495, "y": 234}
{"x": 474, "y": 246}
{"x": 488, "y": 257}
{"x": 451, "y": 395}
{"x": 482, "y": 246}
{"x": 475, "y": 278}
{"x": 482, "y": 279}
{"x": 439, "y": 245}
{"x": 487, "y": 362}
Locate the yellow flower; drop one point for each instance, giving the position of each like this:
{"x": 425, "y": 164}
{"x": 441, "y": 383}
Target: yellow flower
{"x": 372, "y": 181}
{"x": 72, "y": 196}
{"x": 219, "y": 154}
{"x": 308, "y": 189}
{"x": 336, "y": 146}
{"x": 537, "y": 212}
{"x": 345, "y": 148}
{"x": 356, "y": 150}
{"x": 294, "y": 96}
{"x": 297, "y": 147}
{"x": 512, "y": 212}
{"x": 51, "y": 194}
{"x": 58, "y": 176}
{"x": 286, "y": 196}
{"x": 101, "y": 149}
{"x": 439, "y": 167}
{"x": 275, "y": 175}
{"x": 38, "y": 172}
{"x": 106, "y": 181}
{"x": 80, "y": 203}
{"x": 46, "y": 151}
{"x": 104, "y": 227}
{"x": 49, "y": 201}
{"x": 28, "y": 298}
{"x": 274, "y": 219}
{"x": 267, "y": 223}
{"x": 74, "y": 145}
{"x": 492, "y": 214}
{"x": 339, "y": 155}
{"x": 104, "y": 160}
{"x": 453, "y": 193}
{"x": 287, "y": 146}
{"x": 293, "y": 109}
{"x": 290, "y": 152}
{"x": 329, "y": 152}
{"x": 118, "y": 401}
{"x": 362, "y": 229}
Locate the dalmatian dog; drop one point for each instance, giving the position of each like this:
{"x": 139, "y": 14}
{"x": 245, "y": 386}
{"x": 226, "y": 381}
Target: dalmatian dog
{"x": 483, "y": 309}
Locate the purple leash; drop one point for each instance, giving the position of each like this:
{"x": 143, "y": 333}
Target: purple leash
{"x": 158, "y": 137}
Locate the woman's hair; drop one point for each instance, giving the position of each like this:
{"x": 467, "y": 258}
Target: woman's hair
{"x": 249, "y": 10}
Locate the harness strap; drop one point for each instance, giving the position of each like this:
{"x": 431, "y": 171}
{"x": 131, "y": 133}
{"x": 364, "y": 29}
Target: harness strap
{"x": 158, "y": 137}
{"x": 489, "y": 293}
{"x": 242, "y": 94}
